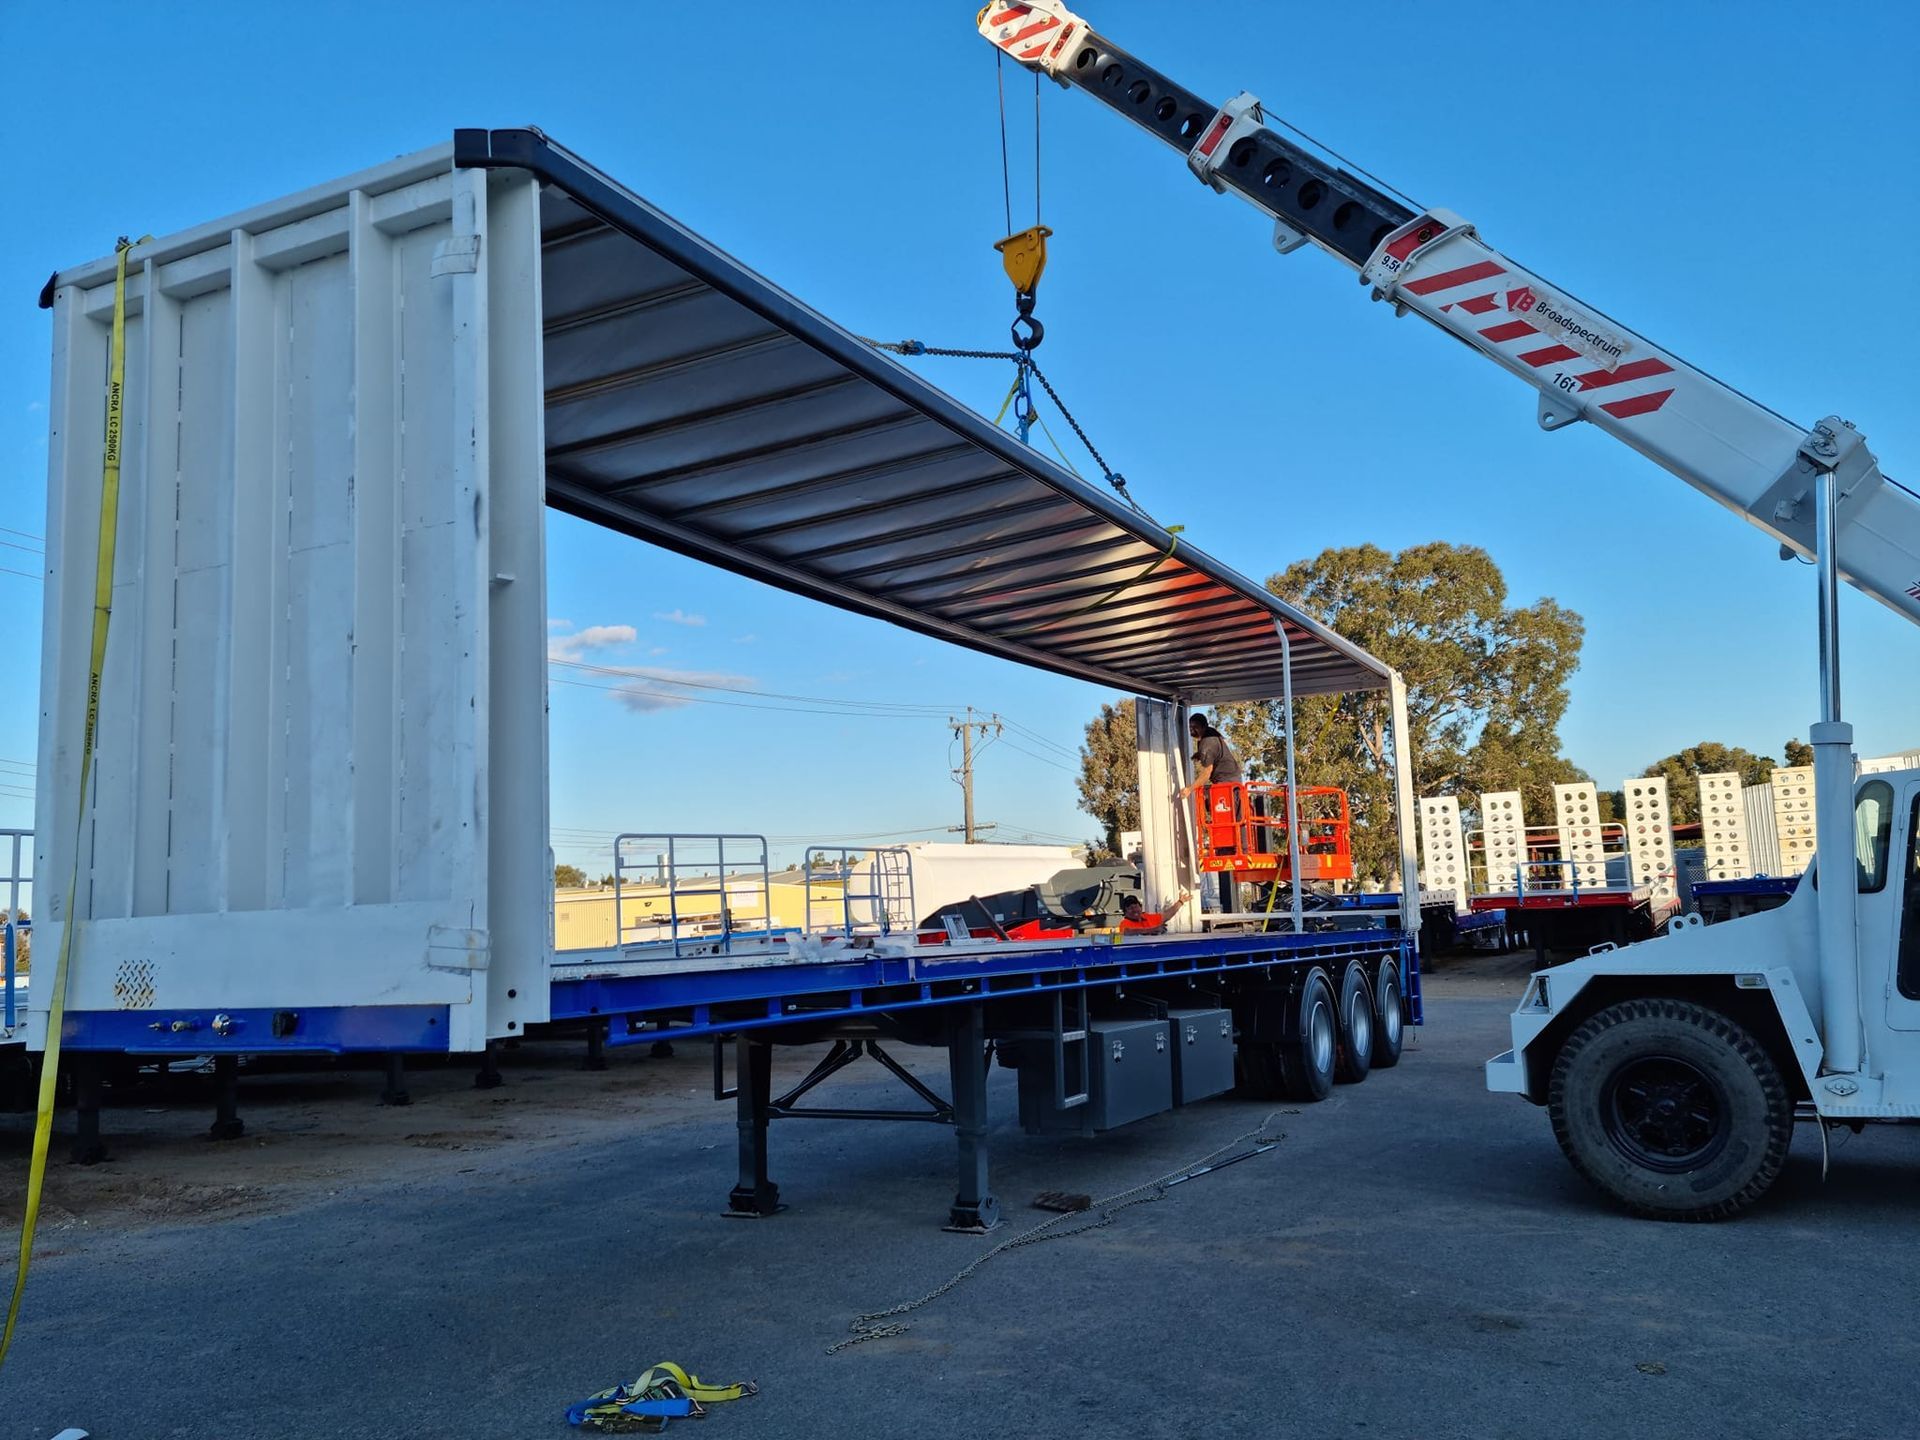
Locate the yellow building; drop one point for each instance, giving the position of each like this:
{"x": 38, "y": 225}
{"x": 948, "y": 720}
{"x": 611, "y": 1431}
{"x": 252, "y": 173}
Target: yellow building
{"x": 584, "y": 919}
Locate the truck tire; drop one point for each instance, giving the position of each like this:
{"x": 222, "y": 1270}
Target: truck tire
{"x": 1671, "y": 1109}
{"x": 1389, "y": 1014}
{"x": 1307, "y": 1054}
{"x": 1353, "y": 1057}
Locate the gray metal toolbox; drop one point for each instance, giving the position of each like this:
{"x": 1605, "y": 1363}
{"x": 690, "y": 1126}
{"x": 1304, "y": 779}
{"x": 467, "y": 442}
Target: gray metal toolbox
{"x": 1202, "y": 1053}
{"x": 1130, "y": 1076}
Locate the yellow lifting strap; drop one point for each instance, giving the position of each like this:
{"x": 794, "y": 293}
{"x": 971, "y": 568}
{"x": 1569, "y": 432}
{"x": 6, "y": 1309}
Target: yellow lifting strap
{"x": 102, "y": 612}
{"x": 1024, "y": 257}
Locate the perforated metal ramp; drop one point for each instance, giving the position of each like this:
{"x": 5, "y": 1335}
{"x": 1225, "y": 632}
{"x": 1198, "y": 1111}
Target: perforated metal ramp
{"x": 692, "y": 403}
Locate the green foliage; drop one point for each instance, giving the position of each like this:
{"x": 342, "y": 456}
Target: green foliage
{"x": 1110, "y": 773}
{"x": 1486, "y": 687}
{"x": 1709, "y": 757}
{"x": 569, "y": 877}
{"x": 1799, "y": 753}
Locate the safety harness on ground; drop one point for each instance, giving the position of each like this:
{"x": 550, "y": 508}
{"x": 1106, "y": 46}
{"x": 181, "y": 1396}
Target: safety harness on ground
{"x": 102, "y": 611}
{"x": 666, "y": 1392}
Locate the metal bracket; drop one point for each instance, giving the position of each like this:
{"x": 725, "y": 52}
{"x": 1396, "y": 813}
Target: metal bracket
{"x": 1558, "y": 410}
{"x": 456, "y": 255}
{"x": 1286, "y": 239}
{"x": 1387, "y": 276}
{"x": 1834, "y": 445}
{"x": 1236, "y": 119}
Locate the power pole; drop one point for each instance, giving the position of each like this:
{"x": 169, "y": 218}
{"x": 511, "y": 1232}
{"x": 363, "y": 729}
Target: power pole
{"x": 964, "y": 775}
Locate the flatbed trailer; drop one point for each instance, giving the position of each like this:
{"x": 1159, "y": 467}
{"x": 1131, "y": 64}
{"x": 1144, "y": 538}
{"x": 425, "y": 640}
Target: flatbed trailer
{"x": 1717, "y": 900}
{"x": 963, "y": 998}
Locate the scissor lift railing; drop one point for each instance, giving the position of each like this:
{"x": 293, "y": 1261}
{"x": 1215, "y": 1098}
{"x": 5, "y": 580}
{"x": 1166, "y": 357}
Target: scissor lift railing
{"x": 1242, "y": 827}
{"x": 693, "y": 868}
{"x": 16, "y": 884}
{"x": 888, "y": 895}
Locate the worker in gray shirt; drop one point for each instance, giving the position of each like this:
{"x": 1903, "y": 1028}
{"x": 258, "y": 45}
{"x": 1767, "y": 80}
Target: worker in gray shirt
{"x": 1214, "y": 763}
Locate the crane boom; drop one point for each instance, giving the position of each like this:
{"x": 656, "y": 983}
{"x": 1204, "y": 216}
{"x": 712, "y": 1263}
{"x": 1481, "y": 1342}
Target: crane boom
{"x": 1431, "y": 263}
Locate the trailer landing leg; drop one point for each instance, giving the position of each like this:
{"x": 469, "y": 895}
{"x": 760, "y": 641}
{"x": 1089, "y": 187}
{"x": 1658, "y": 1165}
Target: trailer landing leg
{"x": 596, "y": 1046}
{"x": 396, "y": 1091}
{"x": 88, "y": 1149}
{"x": 975, "y": 1211}
{"x": 227, "y": 1124}
{"x": 487, "y": 1077}
{"x": 755, "y": 1195}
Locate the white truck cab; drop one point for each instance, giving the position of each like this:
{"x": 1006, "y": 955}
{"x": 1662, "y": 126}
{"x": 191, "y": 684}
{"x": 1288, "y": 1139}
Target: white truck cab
{"x": 1673, "y": 1070}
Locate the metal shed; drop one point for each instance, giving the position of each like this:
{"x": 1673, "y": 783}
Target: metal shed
{"x": 346, "y": 412}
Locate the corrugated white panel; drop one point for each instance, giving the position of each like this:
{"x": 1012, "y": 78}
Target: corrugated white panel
{"x": 1723, "y": 827}
{"x": 1576, "y": 814}
{"x": 297, "y": 704}
{"x": 1793, "y": 821}
{"x": 1650, "y": 836}
{"x": 1762, "y": 838}
{"x": 1443, "y": 848}
{"x": 1503, "y": 828}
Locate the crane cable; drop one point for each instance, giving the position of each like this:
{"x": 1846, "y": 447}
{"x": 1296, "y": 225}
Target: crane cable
{"x": 102, "y": 614}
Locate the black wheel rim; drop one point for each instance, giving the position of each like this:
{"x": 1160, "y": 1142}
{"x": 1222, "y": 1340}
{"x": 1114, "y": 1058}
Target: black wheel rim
{"x": 1664, "y": 1113}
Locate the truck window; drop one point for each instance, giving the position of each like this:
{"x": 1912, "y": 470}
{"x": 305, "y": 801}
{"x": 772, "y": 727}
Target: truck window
{"x": 1873, "y": 833}
{"x": 1909, "y": 962}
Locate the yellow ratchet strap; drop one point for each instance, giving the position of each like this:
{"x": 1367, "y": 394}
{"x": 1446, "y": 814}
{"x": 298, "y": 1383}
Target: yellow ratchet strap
{"x": 102, "y": 612}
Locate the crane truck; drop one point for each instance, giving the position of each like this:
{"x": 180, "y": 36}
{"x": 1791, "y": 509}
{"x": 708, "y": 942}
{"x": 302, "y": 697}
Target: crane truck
{"x": 1673, "y": 1070}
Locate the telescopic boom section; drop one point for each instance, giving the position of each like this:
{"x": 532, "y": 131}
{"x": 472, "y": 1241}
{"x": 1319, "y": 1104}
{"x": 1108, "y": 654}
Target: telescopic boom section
{"x": 1583, "y": 364}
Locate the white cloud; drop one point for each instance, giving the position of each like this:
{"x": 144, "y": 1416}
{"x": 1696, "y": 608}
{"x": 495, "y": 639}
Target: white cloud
{"x": 745, "y": 639}
{"x": 677, "y": 616}
{"x": 657, "y": 650}
{"x": 554, "y": 624}
{"x": 653, "y": 688}
{"x": 594, "y": 637}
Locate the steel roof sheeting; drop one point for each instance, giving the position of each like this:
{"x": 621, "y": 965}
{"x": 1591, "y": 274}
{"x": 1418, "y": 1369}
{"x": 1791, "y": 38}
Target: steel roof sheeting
{"x": 692, "y": 403}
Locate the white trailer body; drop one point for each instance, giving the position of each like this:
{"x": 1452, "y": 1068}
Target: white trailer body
{"x": 311, "y": 785}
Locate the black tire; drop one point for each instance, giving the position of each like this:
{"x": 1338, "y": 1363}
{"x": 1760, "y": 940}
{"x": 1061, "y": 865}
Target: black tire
{"x": 1354, "y": 1055}
{"x": 1389, "y": 1014}
{"x": 1307, "y": 1054}
{"x": 1671, "y": 1109}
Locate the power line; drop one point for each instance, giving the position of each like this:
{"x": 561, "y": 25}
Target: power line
{"x": 1034, "y": 755}
{"x": 640, "y": 673}
{"x": 24, "y": 534}
{"x": 15, "y": 545}
{"x": 24, "y": 575}
{"x": 635, "y": 689}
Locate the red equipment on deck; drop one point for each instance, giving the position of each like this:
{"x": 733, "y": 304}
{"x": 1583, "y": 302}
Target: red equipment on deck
{"x": 1242, "y": 828}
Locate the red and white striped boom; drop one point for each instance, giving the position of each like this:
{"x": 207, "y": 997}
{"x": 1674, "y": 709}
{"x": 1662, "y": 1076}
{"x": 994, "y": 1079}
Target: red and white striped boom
{"x": 1584, "y": 364}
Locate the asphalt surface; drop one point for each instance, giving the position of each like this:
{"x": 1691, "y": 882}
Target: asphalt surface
{"x": 1413, "y": 1259}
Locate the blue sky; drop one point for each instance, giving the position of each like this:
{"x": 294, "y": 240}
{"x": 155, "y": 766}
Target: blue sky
{"x": 1692, "y": 170}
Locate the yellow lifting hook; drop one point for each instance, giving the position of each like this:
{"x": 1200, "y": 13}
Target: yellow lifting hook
{"x": 1024, "y": 256}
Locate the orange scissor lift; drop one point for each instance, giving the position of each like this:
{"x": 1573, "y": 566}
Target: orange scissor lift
{"x": 1241, "y": 828}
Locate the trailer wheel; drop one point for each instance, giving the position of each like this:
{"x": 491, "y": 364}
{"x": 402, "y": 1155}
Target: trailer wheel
{"x": 1353, "y": 1058}
{"x": 1307, "y": 1056}
{"x": 1671, "y": 1109}
{"x": 1389, "y": 1014}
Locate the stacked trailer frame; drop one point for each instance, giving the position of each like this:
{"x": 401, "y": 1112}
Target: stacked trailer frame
{"x": 319, "y": 819}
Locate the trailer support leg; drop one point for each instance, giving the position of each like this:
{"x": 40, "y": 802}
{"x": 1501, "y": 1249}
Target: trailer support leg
{"x": 88, "y": 1148}
{"x": 596, "y": 1046}
{"x": 754, "y": 1194}
{"x": 227, "y": 1124}
{"x": 396, "y": 1091}
{"x": 487, "y": 1077}
{"x": 974, "y": 1209}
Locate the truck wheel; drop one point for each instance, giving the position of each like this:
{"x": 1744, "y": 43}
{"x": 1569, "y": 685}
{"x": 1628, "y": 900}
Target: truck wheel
{"x": 1354, "y": 1056}
{"x": 1307, "y": 1055}
{"x": 1672, "y": 1109}
{"x": 1389, "y": 1014}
